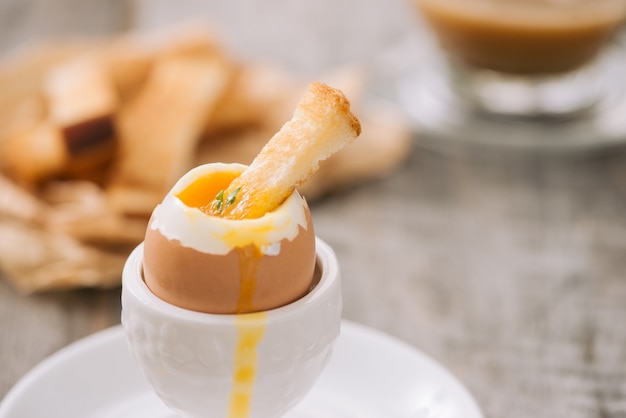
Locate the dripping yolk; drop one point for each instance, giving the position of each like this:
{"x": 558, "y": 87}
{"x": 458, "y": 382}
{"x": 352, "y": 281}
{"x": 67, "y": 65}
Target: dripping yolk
{"x": 200, "y": 194}
{"x": 251, "y": 330}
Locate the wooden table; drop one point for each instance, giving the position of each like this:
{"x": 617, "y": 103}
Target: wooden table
{"x": 509, "y": 271}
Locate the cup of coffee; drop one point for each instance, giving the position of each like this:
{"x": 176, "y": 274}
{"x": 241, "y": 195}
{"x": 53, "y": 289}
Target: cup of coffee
{"x": 532, "y": 62}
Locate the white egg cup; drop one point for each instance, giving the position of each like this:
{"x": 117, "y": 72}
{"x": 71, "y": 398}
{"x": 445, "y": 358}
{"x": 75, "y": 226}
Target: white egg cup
{"x": 189, "y": 357}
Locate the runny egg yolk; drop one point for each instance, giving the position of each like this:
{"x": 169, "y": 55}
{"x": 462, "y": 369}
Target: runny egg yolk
{"x": 249, "y": 336}
{"x": 250, "y": 328}
{"x": 202, "y": 191}
{"x": 200, "y": 194}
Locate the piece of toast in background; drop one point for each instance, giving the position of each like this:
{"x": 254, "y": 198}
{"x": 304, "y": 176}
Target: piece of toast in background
{"x": 180, "y": 101}
{"x": 159, "y": 129}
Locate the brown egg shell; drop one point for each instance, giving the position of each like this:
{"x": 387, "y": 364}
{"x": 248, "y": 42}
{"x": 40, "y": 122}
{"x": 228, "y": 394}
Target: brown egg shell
{"x": 211, "y": 283}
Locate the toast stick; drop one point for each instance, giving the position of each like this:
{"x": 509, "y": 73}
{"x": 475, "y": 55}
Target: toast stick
{"x": 321, "y": 125}
{"x": 170, "y": 113}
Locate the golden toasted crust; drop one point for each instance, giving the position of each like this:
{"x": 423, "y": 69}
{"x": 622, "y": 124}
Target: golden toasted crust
{"x": 169, "y": 114}
{"x": 321, "y": 125}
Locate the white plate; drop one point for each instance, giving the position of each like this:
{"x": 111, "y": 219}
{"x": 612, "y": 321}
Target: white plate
{"x": 371, "y": 375}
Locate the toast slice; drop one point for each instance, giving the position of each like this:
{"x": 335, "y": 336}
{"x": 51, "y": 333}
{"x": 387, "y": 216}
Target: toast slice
{"x": 82, "y": 102}
{"x": 321, "y": 125}
{"x": 158, "y": 131}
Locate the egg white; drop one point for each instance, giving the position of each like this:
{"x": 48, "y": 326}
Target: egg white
{"x": 214, "y": 235}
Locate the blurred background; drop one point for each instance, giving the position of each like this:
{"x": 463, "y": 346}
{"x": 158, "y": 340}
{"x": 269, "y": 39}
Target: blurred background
{"x": 506, "y": 268}
{"x": 307, "y": 38}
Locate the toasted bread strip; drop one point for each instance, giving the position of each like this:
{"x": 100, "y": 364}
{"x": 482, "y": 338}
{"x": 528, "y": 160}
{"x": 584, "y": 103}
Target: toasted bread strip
{"x": 82, "y": 102}
{"x": 131, "y": 57}
{"x": 22, "y": 72}
{"x": 321, "y": 125}
{"x": 159, "y": 129}
{"x": 35, "y": 153}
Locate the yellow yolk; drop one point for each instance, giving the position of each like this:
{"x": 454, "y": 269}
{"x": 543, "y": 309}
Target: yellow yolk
{"x": 200, "y": 194}
{"x": 248, "y": 262}
{"x": 250, "y": 334}
{"x": 202, "y": 191}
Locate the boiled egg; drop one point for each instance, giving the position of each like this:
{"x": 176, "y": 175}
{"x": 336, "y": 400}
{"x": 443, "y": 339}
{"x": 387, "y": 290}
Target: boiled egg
{"x": 207, "y": 263}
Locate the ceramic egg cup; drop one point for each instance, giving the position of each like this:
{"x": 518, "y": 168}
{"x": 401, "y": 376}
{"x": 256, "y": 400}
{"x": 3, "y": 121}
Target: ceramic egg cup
{"x": 189, "y": 357}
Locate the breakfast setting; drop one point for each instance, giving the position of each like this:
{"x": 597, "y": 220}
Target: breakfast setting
{"x": 364, "y": 209}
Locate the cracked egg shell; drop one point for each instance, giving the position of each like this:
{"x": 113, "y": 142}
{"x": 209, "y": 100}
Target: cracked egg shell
{"x": 210, "y": 264}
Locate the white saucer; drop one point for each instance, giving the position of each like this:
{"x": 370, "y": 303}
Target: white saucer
{"x": 371, "y": 375}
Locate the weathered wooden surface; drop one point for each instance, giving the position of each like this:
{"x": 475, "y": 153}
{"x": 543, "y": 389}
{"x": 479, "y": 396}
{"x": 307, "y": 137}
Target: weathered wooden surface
{"x": 509, "y": 271}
